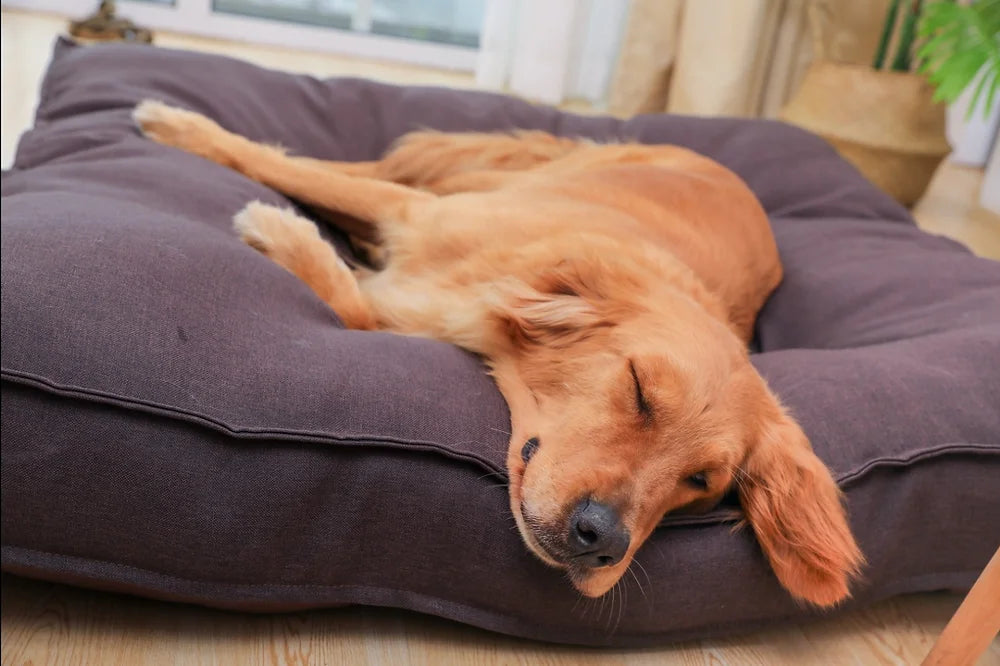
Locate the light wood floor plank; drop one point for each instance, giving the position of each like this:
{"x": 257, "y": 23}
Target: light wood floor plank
{"x": 43, "y": 623}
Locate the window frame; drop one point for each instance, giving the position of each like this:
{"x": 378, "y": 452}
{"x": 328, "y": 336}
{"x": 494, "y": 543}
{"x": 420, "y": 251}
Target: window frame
{"x": 196, "y": 17}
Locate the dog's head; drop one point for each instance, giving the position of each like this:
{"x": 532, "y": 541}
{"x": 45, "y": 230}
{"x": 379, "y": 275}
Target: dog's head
{"x": 643, "y": 403}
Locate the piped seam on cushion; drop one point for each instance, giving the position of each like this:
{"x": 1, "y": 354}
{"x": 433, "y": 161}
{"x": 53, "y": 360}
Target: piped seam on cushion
{"x": 857, "y": 474}
{"x": 128, "y": 402}
{"x": 875, "y": 344}
{"x": 160, "y": 409}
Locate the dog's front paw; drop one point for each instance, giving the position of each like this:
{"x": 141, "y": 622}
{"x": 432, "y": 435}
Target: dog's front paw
{"x": 273, "y": 231}
{"x": 179, "y": 128}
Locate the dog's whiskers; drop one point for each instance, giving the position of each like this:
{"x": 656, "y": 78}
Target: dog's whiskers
{"x": 649, "y": 581}
{"x": 618, "y": 595}
{"x": 589, "y": 606}
{"x": 621, "y": 607}
{"x": 615, "y": 594}
{"x": 637, "y": 583}
{"x": 604, "y": 601}
{"x": 600, "y": 611}
{"x": 741, "y": 479}
{"x": 576, "y": 603}
{"x": 485, "y": 445}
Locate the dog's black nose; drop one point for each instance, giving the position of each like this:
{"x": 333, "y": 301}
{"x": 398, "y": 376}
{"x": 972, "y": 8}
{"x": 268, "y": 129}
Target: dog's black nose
{"x": 596, "y": 535}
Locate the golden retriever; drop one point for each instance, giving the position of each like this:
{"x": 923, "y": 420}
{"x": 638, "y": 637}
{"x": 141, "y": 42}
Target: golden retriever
{"x": 612, "y": 291}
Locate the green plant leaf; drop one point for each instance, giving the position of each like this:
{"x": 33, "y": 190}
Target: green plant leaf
{"x": 975, "y": 94}
{"x": 961, "y": 41}
{"x": 953, "y": 77}
{"x": 991, "y": 96}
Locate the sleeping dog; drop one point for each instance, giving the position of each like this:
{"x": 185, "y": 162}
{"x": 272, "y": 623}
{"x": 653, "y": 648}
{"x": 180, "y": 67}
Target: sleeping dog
{"x": 612, "y": 291}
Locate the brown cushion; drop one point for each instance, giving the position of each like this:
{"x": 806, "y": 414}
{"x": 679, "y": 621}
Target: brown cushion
{"x": 184, "y": 420}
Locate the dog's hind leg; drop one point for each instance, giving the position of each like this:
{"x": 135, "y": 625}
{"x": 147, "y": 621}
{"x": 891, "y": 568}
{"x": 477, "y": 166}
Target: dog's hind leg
{"x": 445, "y": 163}
{"x": 294, "y": 243}
{"x": 360, "y": 204}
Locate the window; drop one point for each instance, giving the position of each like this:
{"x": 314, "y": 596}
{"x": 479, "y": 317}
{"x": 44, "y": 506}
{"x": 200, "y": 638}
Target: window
{"x": 544, "y": 50}
{"x": 433, "y": 33}
{"x": 442, "y": 21}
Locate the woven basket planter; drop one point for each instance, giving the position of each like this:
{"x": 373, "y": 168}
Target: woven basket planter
{"x": 883, "y": 122}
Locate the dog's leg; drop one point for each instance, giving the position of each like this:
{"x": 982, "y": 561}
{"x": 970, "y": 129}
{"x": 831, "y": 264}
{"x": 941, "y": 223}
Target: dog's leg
{"x": 367, "y": 201}
{"x": 448, "y": 163}
{"x": 429, "y": 159}
{"x": 294, "y": 243}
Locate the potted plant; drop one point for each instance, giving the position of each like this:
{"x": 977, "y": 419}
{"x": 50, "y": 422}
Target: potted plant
{"x": 889, "y": 119}
{"x": 961, "y": 42}
{"x": 961, "y": 57}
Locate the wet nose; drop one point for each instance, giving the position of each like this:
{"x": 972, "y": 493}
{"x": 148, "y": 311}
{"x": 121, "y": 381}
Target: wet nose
{"x": 596, "y": 535}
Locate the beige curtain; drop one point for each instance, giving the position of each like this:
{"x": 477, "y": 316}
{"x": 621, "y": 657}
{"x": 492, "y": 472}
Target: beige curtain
{"x": 734, "y": 57}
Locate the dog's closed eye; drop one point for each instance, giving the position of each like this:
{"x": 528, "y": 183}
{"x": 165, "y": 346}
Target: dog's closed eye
{"x": 698, "y": 481}
{"x": 640, "y": 399}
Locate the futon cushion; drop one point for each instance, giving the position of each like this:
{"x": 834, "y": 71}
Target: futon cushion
{"x": 182, "y": 419}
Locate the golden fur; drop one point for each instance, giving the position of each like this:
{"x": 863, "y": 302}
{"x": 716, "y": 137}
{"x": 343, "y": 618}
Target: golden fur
{"x": 568, "y": 266}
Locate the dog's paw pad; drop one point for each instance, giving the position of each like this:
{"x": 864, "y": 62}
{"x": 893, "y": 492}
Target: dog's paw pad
{"x": 246, "y": 227}
{"x": 265, "y": 227}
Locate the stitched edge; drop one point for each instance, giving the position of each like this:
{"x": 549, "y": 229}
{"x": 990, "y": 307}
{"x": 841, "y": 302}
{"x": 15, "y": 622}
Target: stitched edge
{"x": 849, "y": 478}
{"x": 160, "y": 409}
{"x": 724, "y": 515}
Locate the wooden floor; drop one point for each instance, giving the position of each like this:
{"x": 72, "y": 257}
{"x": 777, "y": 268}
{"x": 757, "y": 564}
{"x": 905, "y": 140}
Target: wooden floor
{"x": 949, "y": 208}
{"x": 51, "y": 624}
{"x": 44, "y": 623}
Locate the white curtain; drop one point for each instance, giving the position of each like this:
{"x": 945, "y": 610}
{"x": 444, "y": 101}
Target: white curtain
{"x": 711, "y": 57}
{"x": 734, "y": 57}
{"x": 550, "y": 50}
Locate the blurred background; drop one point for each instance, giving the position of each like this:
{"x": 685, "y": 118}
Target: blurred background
{"x": 845, "y": 69}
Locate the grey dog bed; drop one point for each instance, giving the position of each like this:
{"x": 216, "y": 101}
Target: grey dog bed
{"x": 184, "y": 420}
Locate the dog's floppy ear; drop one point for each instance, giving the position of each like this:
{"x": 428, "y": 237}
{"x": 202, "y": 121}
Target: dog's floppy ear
{"x": 794, "y": 507}
{"x": 557, "y": 308}
{"x": 529, "y": 316}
